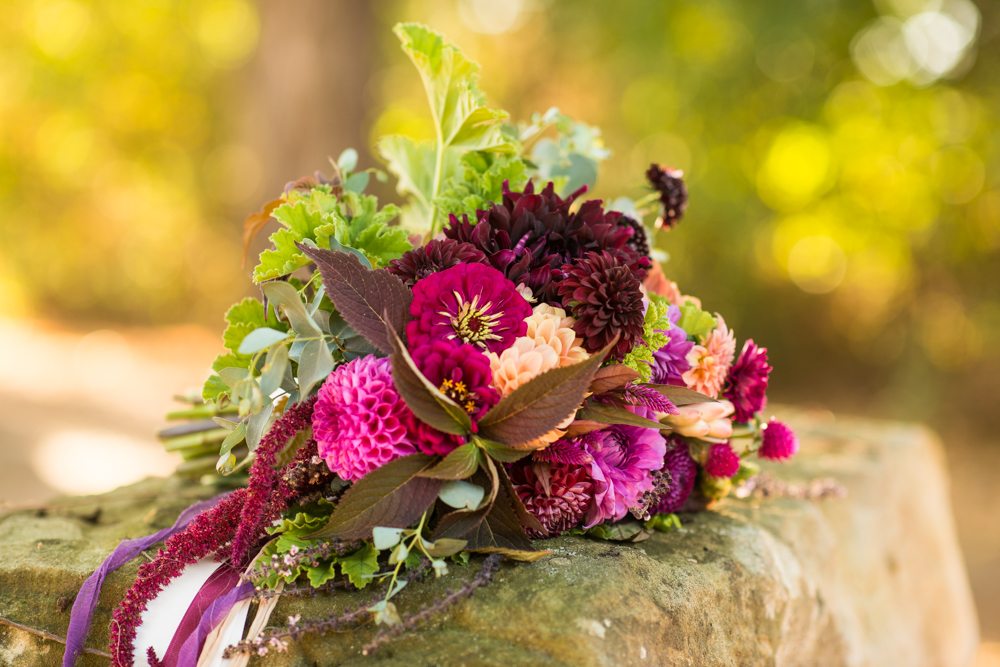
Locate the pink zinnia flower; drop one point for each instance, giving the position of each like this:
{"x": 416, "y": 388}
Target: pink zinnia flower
{"x": 722, "y": 461}
{"x": 747, "y": 384}
{"x": 557, "y": 494}
{"x": 360, "y": 420}
{"x": 467, "y": 303}
{"x": 780, "y": 441}
{"x": 709, "y": 363}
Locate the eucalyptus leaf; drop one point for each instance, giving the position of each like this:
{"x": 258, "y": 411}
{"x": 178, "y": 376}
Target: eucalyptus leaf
{"x": 315, "y": 364}
{"x": 233, "y": 376}
{"x": 258, "y": 339}
{"x": 445, "y": 547}
{"x": 284, "y": 295}
{"x": 386, "y": 538}
{"x": 348, "y": 160}
{"x": 357, "y": 182}
{"x": 322, "y": 319}
{"x": 234, "y": 438}
{"x": 462, "y": 495}
{"x": 257, "y": 425}
{"x": 316, "y": 300}
{"x": 338, "y": 246}
{"x": 273, "y": 371}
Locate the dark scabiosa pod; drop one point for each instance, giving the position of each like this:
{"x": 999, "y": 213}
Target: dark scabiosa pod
{"x": 673, "y": 193}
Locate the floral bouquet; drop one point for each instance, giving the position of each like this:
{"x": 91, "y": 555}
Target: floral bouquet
{"x": 510, "y": 363}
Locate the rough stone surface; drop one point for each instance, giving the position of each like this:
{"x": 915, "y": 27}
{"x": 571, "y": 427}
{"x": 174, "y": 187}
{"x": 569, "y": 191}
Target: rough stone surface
{"x": 876, "y": 579}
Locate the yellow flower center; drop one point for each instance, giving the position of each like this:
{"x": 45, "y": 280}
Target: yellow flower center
{"x": 458, "y": 392}
{"x": 473, "y": 322}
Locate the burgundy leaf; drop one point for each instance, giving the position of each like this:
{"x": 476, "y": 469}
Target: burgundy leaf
{"x": 612, "y": 414}
{"x": 393, "y": 496}
{"x": 537, "y": 407}
{"x": 372, "y": 302}
{"x": 611, "y": 377}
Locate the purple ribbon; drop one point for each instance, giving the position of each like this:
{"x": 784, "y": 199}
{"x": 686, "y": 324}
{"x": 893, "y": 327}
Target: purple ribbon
{"x": 221, "y": 581}
{"x": 86, "y": 600}
{"x": 213, "y": 616}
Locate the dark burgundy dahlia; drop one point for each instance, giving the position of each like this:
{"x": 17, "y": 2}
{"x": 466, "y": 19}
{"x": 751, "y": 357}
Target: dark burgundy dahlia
{"x": 529, "y": 236}
{"x": 746, "y": 385}
{"x": 673, "y": 193}
{"x": 468, "y": 303}
{"x": 604, "y": 297}
{"x": 437, "y": 255}
{"x": 557, "y": 494}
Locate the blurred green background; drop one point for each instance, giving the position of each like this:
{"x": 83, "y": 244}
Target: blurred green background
{"x": 842, "y": 156}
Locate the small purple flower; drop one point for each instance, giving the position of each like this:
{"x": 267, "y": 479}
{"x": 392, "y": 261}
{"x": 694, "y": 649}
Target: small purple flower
{"x": 780, "y": 441}
{"x": 670, "y": 361}
{"x": 624, "y": 457}
{"x": 747, "y": 383}
{"x": 683, "y": 471}
{"x": 467, "y": 303}
{"x": 722, "y": 461}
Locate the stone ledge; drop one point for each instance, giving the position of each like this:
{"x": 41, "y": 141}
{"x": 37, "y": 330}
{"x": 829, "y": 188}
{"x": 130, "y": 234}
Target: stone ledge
{"x": 876, "y": 579}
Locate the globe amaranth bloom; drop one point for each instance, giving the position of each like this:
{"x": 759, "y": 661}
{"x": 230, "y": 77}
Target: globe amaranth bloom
{"x": 604, "y": 298}
{"x": 467, "y": 303}
{"x": 673, "y": 193}
{"x": 437, "y": 255}
{"x": 359, "y": 421}
{"x": 530, "y": 236}
{"x": 780, "y": 441}
{"x": 557, "y": 494}
{"x": 624, "y": 458}
{"x": 670, "y": 361}
{"x": 722, "y": 461}
{"x": 683, "y": 471}
{"x": 746, "y": 386}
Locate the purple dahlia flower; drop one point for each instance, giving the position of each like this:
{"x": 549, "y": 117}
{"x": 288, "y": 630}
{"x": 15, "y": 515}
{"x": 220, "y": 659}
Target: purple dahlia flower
{"x": 359, "y": 421}
{"x": 437, "y": 255}
{"x": 683, "y": 471}
{"x": 670, "y": 361}
{"x": 747, "y": 383}
{"x": 467, "y": 303}
{"x": 624, "y": 458}
{"x": 557, "y": 494}
{"x": 780, "y": 441}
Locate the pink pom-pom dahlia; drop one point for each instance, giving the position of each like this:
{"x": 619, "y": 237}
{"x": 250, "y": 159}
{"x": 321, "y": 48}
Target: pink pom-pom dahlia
{"x": 359, "y": 421}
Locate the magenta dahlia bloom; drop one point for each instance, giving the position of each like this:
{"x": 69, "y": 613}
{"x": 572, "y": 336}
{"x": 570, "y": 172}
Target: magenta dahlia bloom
{"x": 670, "y": 361}
{"x": 359, "y": 421}
{"x": 427, "y": 439}
{"x": 467, "y": 303}
{"x": 557, "y": 494}
{"x": 624, "y": 457}
{"x": 747, "y": 383}
{"x": 722, "y": 461}
{"x": 780, "y": 441}
{"x": 683, "y": 471}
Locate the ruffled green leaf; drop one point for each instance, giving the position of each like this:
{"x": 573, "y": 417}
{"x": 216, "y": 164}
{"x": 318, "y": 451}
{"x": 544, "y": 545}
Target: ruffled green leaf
{"x": 359, "y": 566}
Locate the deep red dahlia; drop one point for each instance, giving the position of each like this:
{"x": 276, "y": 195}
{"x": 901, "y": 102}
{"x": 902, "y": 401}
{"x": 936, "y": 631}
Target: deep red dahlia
{"x": 746, "y": 386}
{"x": 529, "y": 236}
{"x": 673, "y": 193}
{"x": 604, "y": 297}
{"x": 428, "y": 439}
{"x": 556, "y": 494}
{"x": 468, "y": 303}
{"x": 437, "y": 255}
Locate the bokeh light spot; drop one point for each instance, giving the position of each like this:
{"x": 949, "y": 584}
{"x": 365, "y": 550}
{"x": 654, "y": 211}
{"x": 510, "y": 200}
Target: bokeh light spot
{"x": 60, "y": 27}
{"x": 816, "y": 264}
{"x": 227, "y": 30}
{"x": 797, "y": 168}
